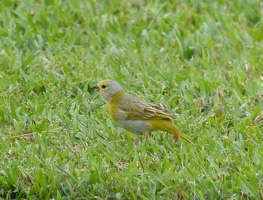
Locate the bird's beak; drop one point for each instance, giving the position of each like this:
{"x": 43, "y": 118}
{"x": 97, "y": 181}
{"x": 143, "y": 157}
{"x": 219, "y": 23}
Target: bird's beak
{"x": 95, "y": 87}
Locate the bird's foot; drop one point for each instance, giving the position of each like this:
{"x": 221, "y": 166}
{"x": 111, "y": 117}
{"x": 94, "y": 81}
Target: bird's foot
{"x": 176, "y": 138}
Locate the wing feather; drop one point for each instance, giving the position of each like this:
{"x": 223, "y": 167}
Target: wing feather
{"x": 136, "y": 109}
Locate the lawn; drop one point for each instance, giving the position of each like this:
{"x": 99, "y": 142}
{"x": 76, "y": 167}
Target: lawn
{"x": 200, "y": 59}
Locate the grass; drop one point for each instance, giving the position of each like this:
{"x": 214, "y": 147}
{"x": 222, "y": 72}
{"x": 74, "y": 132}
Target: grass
{"x": 200, "y": 59}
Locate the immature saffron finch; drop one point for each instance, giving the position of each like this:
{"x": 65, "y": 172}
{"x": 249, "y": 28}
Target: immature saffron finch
{"x": 135, "y": 115}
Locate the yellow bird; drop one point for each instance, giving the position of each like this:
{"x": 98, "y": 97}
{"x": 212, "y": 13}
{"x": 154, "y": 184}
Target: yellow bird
{"x": 135, "y": 115}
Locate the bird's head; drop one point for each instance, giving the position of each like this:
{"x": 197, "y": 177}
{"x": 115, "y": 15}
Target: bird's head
{"x": 107, "y": 88}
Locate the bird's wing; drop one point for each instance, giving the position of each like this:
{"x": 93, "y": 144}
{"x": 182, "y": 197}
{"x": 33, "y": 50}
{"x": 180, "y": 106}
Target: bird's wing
{"x": 133, "y": 108}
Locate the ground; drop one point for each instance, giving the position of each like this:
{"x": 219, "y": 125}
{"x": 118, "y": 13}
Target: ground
{"x": 200, "y": 59}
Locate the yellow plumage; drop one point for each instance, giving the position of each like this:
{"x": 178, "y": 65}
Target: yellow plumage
{"x": 135, "y": 115}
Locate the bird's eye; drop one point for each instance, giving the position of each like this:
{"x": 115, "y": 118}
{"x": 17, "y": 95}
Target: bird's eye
{"x": 103, "y": 86}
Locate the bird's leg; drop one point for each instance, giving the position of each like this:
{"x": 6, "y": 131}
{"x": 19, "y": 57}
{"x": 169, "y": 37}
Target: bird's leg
{"x": 176, "y": 138}
{"x": 147, "y": 134}
{"x": 122, "y": 135}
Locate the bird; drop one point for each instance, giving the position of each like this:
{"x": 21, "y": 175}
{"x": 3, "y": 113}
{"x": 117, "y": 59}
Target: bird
{"x": 135, "y": 115}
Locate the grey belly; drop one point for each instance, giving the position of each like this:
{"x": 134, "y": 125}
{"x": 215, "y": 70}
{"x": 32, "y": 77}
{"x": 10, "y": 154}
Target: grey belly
{"x": 137, "y": 127}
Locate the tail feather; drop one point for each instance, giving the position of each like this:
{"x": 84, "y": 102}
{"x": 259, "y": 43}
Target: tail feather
{"x": 176, "y": 132}
{"x": 168, "y": 126}
{"x": 181, "y": 135}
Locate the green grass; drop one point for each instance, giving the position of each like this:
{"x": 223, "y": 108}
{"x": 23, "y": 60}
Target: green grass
{"x": 201, "y": 59}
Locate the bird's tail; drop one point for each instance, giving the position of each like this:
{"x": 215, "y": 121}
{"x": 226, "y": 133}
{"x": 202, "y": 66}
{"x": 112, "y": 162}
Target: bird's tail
{"x": 177, "y": 133}
{"x": 181, "y": 135}
{"x": 169, "y": 127}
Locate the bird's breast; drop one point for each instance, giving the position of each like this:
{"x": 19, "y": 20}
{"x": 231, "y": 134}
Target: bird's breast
{"x": 112, "y": 109}
{"x": 113, "y": 104}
